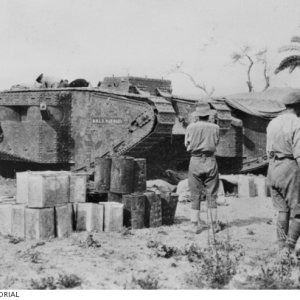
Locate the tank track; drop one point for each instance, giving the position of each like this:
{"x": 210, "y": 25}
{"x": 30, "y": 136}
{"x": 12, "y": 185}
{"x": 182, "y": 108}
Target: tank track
{"x": 164, "y": 115}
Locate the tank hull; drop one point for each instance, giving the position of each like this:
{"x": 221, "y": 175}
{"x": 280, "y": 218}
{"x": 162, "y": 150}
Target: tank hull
{"x": 69, "y": 128}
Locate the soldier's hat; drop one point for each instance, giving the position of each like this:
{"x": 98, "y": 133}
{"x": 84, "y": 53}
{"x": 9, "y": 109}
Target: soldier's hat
{"x": 292, "y": 98}
{"x": 39, "y": 78}
{"x": 202, "y": 110}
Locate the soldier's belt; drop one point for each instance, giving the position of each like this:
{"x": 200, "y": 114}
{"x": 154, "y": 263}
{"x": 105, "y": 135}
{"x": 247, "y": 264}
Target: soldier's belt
{"x": 275, "y": 156}
{"x": 202, "y": 153}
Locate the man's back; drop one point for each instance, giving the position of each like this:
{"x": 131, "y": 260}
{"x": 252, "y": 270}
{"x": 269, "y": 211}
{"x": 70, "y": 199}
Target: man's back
{"x": 202, "y": 136}
{"x": 283, "y": 147}
{"x": 283, "y": 135}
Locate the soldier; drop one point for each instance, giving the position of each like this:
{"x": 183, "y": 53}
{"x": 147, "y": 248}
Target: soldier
{"x": 79, "y": 83}
{"x": 283, "y": 148}
{"x": 51, "y": 82}
{"x": 201, "y": 140}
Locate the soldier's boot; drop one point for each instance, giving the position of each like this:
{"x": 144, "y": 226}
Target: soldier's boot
{"x": 282, "y": 228}
{"x": 197, "y": 224}
{"x": 217, "y": 225}
{"x": 293, "y": 234}
{"x": 213, "y": 215}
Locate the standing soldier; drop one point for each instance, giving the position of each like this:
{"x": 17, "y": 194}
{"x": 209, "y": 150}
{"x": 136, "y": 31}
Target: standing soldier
{"x": 201, "y": 140}
{"x": 283, "y": 148}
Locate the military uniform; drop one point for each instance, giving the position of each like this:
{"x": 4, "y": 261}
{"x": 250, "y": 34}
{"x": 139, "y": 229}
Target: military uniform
{"x": 283, "y": 148}
{"x": 201, "y": 140}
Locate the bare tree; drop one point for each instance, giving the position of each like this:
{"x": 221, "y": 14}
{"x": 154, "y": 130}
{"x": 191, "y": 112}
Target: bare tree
{"x": 205, "y": 44}
{"x": 178, "y": 69}
{"x": 247, "y": 58}
{"x": 261, "y": 57}
{"x": 244, "y": 58}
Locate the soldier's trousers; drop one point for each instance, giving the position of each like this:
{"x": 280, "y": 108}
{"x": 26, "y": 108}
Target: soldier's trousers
{"x": 284, "y": 181}
{"x": 203, "y": 181}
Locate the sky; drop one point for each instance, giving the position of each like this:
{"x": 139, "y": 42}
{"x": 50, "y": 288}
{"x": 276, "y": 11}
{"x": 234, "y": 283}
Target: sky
{"x": 92, "y": 39}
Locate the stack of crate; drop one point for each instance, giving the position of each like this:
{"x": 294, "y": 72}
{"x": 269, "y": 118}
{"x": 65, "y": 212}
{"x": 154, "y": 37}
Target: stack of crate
{"x": 42, "y": 208}
{"x": 252, "y": 186}
{"x": 50, "y": 204}
{"x": 127, "y": 185}
{"x": 96, "y": 216}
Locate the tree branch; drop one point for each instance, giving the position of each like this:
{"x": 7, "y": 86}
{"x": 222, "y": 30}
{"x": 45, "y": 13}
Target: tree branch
{"x": 267, "y": 78}
{"x": 249, "y": 83}
{"x": 196, "y": 84}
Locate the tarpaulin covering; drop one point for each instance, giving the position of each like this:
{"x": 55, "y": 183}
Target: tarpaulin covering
{"x": 266, "y": 104}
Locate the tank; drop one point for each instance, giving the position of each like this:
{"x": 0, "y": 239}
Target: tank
{"x": 68, "y": 128}
{"x": 243, "y": 119}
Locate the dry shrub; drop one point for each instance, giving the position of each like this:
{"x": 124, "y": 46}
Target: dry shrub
{"x": 126, "y": 232}
{"x": 66, "y": 281}
{"x": 277, "y": 274}
{"x": 32, "y": 256}
{"x": 69, "y": 281}
{"x": 14, "y": 239}
{"x": 215, "y": 266}
{"x": 38, "y": 244}
{"x": 162, "y": 250}
{"x": 35, "y": 257}
{"x": 89, "y": 242}
{"x": 150, "y": 282}
{"x": 44, "y": 283}
{"x": 193, "y": 252}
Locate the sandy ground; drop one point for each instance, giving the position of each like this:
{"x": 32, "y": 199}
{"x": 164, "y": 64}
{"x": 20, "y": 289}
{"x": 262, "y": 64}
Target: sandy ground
{"x": 125, "y": 260}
